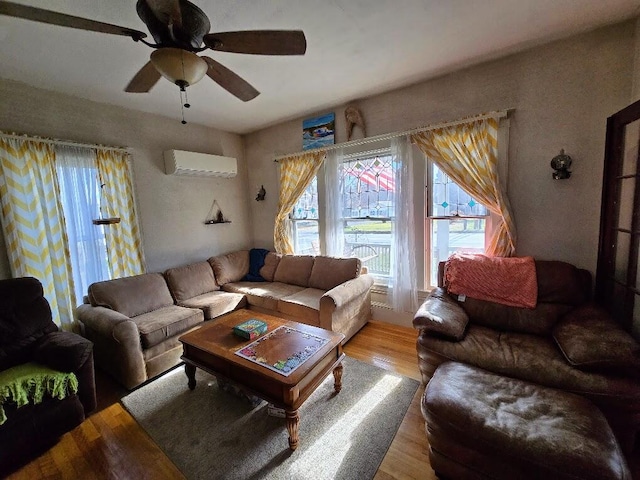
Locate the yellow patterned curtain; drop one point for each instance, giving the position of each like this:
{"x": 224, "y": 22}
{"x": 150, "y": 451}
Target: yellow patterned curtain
{"x": 296, "y": 173}
{"x": 468, "y": 154}
{"x": 124, "y": 246}
{"x": 33, "y": 222}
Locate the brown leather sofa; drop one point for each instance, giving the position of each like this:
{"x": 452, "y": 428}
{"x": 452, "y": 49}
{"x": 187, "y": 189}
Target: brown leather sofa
{"x": 566, "y": 342}
{"x": 27, "y": 334}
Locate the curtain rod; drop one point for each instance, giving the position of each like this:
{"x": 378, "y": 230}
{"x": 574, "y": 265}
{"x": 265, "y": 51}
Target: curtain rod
{"x": 67, "y": 143}
{"x": 389, "y": 136}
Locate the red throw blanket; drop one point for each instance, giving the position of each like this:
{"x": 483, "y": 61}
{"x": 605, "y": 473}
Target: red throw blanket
{"x": 507, "y": 280}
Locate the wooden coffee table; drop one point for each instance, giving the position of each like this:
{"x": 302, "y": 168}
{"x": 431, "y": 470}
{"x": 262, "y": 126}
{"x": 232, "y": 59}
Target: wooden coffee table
{"x": 212, "y": 348}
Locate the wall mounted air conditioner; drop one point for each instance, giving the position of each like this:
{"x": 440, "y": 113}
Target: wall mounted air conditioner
{"x": 179, "y": 162}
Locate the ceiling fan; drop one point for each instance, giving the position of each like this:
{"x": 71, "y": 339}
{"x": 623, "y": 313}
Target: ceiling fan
{"x": 179, "y": 29}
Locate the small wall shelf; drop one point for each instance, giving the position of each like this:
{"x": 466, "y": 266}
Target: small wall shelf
{"x": 213, "y": 219}
{"x": 215, "y": 222}
{"x": 106, "y": 221}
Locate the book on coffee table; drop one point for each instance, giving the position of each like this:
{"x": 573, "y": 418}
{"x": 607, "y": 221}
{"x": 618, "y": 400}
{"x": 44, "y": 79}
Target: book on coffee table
{"x": 250, "y": 329}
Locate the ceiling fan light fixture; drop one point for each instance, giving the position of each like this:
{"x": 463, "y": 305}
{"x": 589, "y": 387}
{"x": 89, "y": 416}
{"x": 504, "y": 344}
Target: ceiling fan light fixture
{"x": 179, "y": 66}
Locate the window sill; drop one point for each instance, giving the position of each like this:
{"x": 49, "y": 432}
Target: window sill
{"x": 380, "y": 294}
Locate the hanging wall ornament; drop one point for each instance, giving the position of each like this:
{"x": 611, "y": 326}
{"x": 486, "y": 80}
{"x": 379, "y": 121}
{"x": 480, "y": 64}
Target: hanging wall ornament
{"x": 106, "y": 217}
{"x": 353, "y": 117}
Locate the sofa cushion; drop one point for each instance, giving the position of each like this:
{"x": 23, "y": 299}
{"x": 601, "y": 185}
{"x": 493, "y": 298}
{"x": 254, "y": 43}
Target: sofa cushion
{"x": 561, "y": 282}
{"x": 591, "y": 340}
{"x": 132, "y": 296}
{"x": 303, "y": 305}
{"x": 558, "y": 282}
{"x": 214, "y": 304}
{"x": 63, "y": 351}
{"x": 231, "y": 267}
{"x": 532, "y": 358}
{"x": 503, "y": 428}
{"x": 329, "y": 272}
{"x": 191, "y": 280}
{"x": 294, "y": 269}
{"x": 26, "y": 317}
{"x": 166, "y": 322}
{"x": 441, "y": 315}
{"x": 271, "y": 262}
{"x": 263, "y": 294}
{"x": 539, "y": 320}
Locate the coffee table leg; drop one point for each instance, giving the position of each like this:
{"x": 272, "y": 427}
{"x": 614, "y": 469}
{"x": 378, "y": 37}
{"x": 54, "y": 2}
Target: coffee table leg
{"x": 190, "y": 370}
{"x": 293, "y": 420}
{"x": 337, "y": 376}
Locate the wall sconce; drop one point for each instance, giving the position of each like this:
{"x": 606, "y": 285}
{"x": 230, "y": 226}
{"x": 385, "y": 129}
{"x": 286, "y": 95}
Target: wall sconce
{"x": 261, "y": 194}
{"x": 561, "y": 163}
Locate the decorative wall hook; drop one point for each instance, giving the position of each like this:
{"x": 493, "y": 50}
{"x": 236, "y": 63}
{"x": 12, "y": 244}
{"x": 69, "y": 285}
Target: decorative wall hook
{"x": 261, "y": 194}
{"x": 561, "y": 163}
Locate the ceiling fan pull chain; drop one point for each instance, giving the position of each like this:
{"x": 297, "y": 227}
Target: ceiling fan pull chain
{"x": 182, "y": 105}
{"x": 186, "y": 100}
{"x": 185, "y": 84}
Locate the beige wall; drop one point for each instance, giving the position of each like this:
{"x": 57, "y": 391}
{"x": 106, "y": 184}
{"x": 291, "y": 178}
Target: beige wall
{"x": 635, "y": 93}
{"x": 171, "y": 209}
{"x": 562, "y": 94}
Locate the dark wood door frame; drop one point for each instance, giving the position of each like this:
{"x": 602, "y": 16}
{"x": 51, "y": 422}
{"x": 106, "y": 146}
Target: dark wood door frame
{"x": 609, "y": 219}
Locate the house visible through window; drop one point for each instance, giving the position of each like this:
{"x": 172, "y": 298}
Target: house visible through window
{"x": 454, "y": 221}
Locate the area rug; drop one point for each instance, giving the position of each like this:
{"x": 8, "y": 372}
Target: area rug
{"x": 210, "y": 433}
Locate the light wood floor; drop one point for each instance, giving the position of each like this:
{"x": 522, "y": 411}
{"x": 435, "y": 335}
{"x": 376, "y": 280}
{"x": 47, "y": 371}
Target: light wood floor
{"x": 111, "y": 445}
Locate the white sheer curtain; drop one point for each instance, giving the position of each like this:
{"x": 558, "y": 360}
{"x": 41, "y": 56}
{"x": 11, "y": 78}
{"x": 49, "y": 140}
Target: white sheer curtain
{"x": 333, "y": 231}
{"x": 403, "y": 285}
{"x": 77, "y": 172}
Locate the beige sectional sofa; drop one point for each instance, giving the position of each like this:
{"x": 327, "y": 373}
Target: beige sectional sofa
{"x": 135, "y": 322}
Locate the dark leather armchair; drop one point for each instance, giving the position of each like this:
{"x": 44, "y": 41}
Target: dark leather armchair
{"x": 27, "y": 334}
{"x": 566, "y": 342}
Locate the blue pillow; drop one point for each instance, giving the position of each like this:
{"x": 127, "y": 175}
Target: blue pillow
{"x": 256, "y": 262}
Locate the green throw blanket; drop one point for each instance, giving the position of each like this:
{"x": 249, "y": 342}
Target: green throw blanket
{"x": 30, "y": 382}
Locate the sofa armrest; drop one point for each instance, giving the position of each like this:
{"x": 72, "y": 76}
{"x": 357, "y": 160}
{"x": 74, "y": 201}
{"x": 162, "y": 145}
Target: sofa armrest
{"x": 63, "y": 351}
{"x": 347, "y": 291}
{"x": 100, "y": 319}
{"x": 117, "y": 346}
{"x": 350, "y": 300}
{"x": 591, "y": 340}
{"x": 440, "y": 314}
{"x": 69, "y": 352}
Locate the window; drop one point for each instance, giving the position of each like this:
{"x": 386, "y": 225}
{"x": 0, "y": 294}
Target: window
{"x": 77, "y": 173}
{"x": 455, "y": 221}
{"x": 367, "y": 196}
{"x": 304, "y": 218}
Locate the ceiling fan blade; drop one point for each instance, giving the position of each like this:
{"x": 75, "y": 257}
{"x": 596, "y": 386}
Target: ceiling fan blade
{"x": 259, "y": 42}
{"x": 55, "y": 18}
{"x": 144, "y": 80}
{"x": 230, "y": 81}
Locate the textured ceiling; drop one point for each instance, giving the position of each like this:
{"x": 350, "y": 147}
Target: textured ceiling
{"x": 356, "y": 48}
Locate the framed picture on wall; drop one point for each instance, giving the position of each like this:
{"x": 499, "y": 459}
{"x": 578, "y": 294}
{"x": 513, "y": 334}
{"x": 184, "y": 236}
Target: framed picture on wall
{"x": 318, "y": 131}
